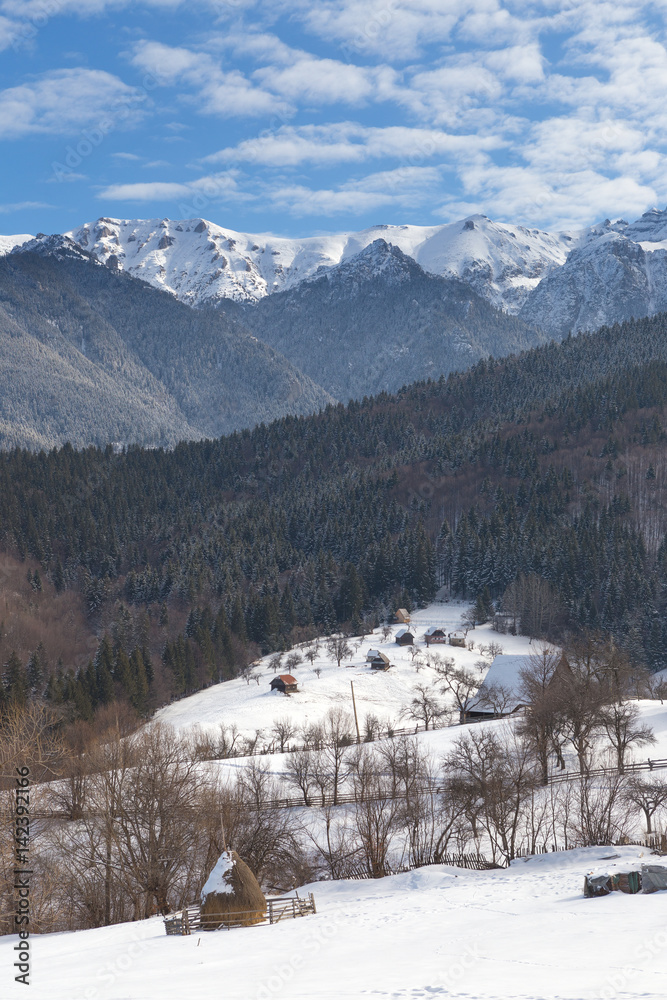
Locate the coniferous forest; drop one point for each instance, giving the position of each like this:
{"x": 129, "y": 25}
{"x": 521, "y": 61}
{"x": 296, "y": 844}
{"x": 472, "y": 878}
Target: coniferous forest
{"x": 534, "y": 485}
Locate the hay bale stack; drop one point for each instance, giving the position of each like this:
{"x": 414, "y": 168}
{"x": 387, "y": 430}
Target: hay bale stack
{"x": 232, "y": 895}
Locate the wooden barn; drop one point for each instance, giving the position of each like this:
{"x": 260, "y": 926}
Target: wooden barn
{"x": 457, "y": 638}
{"x": 402, "y": 617}
{"x": 377, "y": 660}
{"x": 285, "y": 683}
{"x": 404, "y": 637}
{"x": 435, "y": 634}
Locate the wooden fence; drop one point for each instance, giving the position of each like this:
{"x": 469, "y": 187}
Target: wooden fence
{"x": 643, "y": 765}
{"x": 473, "y": 862}
{"x": 283, "y": 908}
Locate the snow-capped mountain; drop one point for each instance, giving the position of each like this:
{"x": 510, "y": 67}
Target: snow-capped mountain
{"x": 201, "y": 262}
{"x": 603, "y": 282}
{"x": 378, "y": 321}
{"x": 559, "y": 281}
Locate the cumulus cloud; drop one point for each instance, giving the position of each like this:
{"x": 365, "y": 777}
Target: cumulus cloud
{"x": 64, "y": 101}
{"x": 228, "y": 94}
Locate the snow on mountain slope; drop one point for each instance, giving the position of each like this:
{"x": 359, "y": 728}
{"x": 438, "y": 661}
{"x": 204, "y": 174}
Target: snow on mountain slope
{"x": 385, "y": 695}
{"x": 201, "y": 262}
{"x": 521, "y": 933}
{"x": 7, "y": 243}
{"x": 607, "y": 280}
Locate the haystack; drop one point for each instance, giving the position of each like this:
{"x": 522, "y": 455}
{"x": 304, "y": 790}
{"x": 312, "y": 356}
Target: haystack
{"x": 232, "y": 895}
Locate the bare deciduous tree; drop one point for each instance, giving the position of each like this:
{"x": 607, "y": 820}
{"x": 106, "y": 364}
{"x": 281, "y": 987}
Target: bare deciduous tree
{"x": 646, "y": 794}
{"x": 338, "y": 648}
{"x": 284, "y": 730}
{"x": 425, "y": 706}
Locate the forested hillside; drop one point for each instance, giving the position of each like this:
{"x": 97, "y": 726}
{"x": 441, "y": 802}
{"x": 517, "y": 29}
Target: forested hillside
{"x": 88, "y": 355}
{"x": 536, "y": 482}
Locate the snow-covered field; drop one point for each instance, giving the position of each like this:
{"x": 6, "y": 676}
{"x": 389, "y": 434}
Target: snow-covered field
{"x": 523, "y": 933}
{"x": 526, "y": 932}
{"x": 383, "y": 694}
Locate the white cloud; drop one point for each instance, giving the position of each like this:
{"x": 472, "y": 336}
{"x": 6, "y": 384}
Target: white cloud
{"x": 523, "y": 194}
{"x": 212, "y": 187}
{"x": 228, "y": 94}
{"x": 396, "y": 29}
{"x": 321, "y": 81}
{"x": 406, "y": 187}
{"x": 11, "y": 33}
{"x": 21, "y": 206}
{"x": 149, "y": 191}
{"x": 65, "y": 101}
{"x": 126, "y": 156}
{"x": 350, "y": 142}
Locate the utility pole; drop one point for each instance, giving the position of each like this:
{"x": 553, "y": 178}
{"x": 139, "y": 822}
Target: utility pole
{"x": 354, "y": 706}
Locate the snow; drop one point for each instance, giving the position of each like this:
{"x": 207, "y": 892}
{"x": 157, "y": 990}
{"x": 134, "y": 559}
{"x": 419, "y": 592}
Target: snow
{"x": 384, "y": 694}
{"x": 200, "y": 261}
{"x": 505, "y": 672}
{"x": 522, "y": 933}
{"x": 7, "y": 243}
{"x": 219, "y": 879}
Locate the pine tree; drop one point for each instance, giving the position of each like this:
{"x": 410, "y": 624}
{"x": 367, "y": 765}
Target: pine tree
{"x": 16, "y": 681}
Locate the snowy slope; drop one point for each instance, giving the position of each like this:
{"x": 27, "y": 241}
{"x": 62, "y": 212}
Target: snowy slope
{"x": 524, "y": 933}
{"x": 202, "y": 262}
{"x": 7, "y": 243}
{"x": 383, "y": 694}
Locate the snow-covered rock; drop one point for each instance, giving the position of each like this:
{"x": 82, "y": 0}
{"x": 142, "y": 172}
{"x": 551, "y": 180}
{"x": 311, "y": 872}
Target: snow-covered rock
{"x": 201, "y": 262}
{"x": 58, "y": 246}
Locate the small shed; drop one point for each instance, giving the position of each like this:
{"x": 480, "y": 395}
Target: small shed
{"x": 285, "y": 683}
{"x": 402, "y": 616}
{"x": 404, "y": 637}
{"x": 457, "y": 638}
{"x": 434, "y": 634}
{"x": 377, "y": 660}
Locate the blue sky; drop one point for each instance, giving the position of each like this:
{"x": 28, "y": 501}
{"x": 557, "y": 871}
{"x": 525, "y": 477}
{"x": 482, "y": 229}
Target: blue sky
{"x": 298, "y": 117}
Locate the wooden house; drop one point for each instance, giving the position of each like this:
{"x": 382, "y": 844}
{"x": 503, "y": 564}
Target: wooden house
{"x": 402, "y": 617}
{"x": 500, "y": 692}
{"x": 434, "y": 634}
{"x": 404, "y": 637}
{"x": 285, "y": 683}
{"x": 457, "y": 638}
{"x": 377, "y": 660}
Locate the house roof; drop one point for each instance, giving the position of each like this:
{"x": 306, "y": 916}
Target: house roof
{"x": 458, "y": 634}
{"x": 404, "y": 631}
{"x": 375, "y": 654}
{"x": 505, "y": 672}
{"x": 285, "y": 678}
{"x": 433, "y": 629}
{"x": 404, "y": 612}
